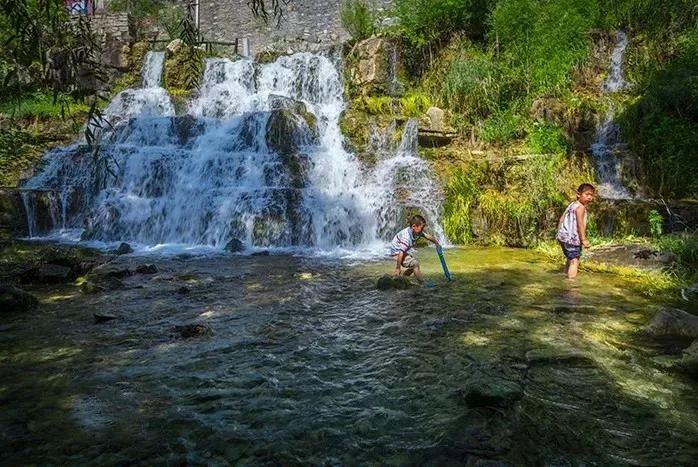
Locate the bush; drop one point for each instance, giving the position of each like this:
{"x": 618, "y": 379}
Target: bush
{"x": 414, "y": 105}
{"x": 685, "y": 247}
{"x": 472, "y": 85}
{"x": 426, "y": 22}
{"x": 546, "y": 139}
{"x": 358, "y": 19}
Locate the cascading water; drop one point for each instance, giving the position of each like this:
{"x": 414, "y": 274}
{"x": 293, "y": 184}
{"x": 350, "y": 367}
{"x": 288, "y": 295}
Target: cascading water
{"x": 608, "y": 146}
{"x": 258, "y": 157}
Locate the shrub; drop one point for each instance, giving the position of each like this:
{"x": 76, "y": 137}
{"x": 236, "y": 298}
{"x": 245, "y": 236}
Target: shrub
{"x": 415, "y": 105}
{"x": 358, "y": 19}
{"x": 471, "y": 85}
{"x": 546, "y": 139}
{"x": 502, "y": 127}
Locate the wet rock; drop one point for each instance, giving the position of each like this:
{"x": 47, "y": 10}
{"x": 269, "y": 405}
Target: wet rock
{"x": 672, "y": 322}
{"x": 13, "y": 299}
{"x": 286, "y": 132}
{"x": 387, "y": 282}
{"x": 90, "y": 288}
{"x": 235, "y": 246}
{"x": 689, "y": 361}
{"x": 491, "y": 390}
{"x": 553, "y": 356}
{"x": 261, "y": 253}
{"x": 124, "y": 249}
{"x": 183, "y": 290}
{"x": 434, "y": 139}
{"x": 187, "y": 127}
{"x": 102, "y": 317}
{"x": 47, "y": 274}
{"x": 192, "y": 330}
{"x": 147, "y": 269}
{"x": 110, "y": 270}
{"x": 690, "y": 294}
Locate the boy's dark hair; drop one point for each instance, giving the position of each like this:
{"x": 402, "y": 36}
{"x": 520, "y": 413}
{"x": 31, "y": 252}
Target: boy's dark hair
{"x": 418, "y": 220}
{"x": 585, "y": 187}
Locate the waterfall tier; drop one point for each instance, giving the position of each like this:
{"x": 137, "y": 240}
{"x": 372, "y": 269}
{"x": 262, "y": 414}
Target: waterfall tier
{"x": 258, "y": 157}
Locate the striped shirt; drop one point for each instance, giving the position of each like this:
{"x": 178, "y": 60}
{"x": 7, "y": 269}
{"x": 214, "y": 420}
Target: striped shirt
{"x": 403, "y": 241}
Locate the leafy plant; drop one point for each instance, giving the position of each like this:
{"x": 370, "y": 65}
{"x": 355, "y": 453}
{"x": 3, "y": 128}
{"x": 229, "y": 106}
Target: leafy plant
{"x": 358, "y": 18}
{"x": 546, "y": 139}
{"x": 655, "y": 220}
{"x": 414, "y": 105}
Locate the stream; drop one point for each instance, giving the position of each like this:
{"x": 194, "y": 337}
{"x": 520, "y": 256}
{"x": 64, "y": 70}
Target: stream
{"x": 307, "y": 363}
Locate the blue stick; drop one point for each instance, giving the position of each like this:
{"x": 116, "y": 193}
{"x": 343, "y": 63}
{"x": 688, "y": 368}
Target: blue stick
{"x": 440, "y": 252}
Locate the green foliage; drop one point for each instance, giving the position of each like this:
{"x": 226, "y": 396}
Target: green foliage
{"x": 661, "y": 126}
{"x": 15, "y": 150}
{"x": 546, "y": 139}
{"x": 462, "y": 191}
{"x": 170, "y": 20}
{"x": 379, "y": 105}
{"x": 40, "y": 105}
{"x": 502, "y": 127}
{"x": 543, "y": 41}
{"x": 655, "y": 220}
{"x": 472, "y": 85}
{"x": 685, "y": 247}
{"x": 415, "y": 104}
{"x": 138, "y": 8}
{"x": 426, "y": 22}
{"x": 358, "y": 18}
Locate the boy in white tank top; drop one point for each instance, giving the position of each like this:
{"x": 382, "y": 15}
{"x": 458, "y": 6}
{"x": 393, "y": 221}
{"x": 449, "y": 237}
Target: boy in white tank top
{"x": 571, "y": 230}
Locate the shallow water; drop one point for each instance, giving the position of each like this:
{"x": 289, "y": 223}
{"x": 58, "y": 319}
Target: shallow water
{"x": 309, "y": 364}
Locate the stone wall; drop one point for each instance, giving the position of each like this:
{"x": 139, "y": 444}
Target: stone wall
{"x": 116, "y": 31}
{"x": 306, "y": 24}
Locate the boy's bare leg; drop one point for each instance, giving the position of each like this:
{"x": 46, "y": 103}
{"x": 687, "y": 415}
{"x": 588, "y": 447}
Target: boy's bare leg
{"x": 418, "y": 274}
{"x": 567, "y": 266}
{"x": 572, "y": 269}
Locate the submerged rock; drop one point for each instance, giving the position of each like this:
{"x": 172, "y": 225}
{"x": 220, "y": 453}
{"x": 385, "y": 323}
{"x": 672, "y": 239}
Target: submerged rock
{"x": 389, "y": 282}
{"x": 124, "y": 249}
{"x": 491, "y": 390}
{"x": 552, "y": 356}
{"x": 192, "y": 330}
{"x": 90, "y": 288}
{"x": 672, "y": 322}
{"x": 235, "y": 246}
{"x": 102, "y": 317}
{"x": 47, "y": 274}
{"x": 147, "y": 269}
{"x": 14, "y": 299}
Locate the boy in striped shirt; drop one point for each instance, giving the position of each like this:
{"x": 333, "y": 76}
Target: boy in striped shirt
{"x": 402, "y": 247}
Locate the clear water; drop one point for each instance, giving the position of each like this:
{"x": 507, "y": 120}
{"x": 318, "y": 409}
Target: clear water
{"x": 309, "y": 364}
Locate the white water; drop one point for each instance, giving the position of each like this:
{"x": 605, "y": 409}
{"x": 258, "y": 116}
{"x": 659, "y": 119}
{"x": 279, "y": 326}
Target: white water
{"x": 207, "y": 177}
{"x": 608, "y": 146}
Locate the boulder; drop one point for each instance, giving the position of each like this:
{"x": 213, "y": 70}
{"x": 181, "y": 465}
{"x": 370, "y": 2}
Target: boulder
{"x": 174, "y": 46}
{"x": 436, "y": 119}
{"x": 47, "y": 274}
{"x": 147, "y": 269}
{"x": 286, "y": 132}
{"x": 192, "y": 330}
{"x": 689, "y": 361}
{"x": 235, "y": 246}
{"x": 387, "y": 282}
{"x": 690, "y": 294}
{"x": 369, "y": 66}
{"x": 14, "y": 299}
{"x": 90, "y": 288}
{"x": 124, "y": 249}
{"x": 672, "y": 322}
{"x": 485, "y": 389}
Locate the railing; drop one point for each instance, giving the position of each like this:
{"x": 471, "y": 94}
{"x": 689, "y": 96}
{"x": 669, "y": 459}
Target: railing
{"x": 208, "y": 45}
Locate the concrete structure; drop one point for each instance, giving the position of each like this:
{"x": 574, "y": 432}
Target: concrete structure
{"x": 305, "y": 25}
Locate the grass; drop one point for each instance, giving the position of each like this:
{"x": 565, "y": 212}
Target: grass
{"x": 648, "y": 282}
{"x": 42, "y": 106}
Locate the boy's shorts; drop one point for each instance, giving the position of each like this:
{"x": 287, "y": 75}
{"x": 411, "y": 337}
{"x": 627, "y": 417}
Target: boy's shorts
{"x": 571, "y": 251}
{"x": 410, "y": 259}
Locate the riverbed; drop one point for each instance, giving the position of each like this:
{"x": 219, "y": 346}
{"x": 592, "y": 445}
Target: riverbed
{"x": 304, "y": 362}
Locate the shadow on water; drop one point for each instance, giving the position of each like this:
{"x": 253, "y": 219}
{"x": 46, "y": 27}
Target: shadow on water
{"x": 309, "y": 364}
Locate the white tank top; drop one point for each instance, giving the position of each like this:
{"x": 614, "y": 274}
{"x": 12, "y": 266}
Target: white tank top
{"x": 568, "y": 233}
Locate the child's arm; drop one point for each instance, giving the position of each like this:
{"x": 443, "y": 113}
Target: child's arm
{"x": 581, "y": 227}
{"x": 432, "y": 239}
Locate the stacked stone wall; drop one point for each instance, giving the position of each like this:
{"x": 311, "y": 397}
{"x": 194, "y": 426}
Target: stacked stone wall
{"x": 305, "y": 25}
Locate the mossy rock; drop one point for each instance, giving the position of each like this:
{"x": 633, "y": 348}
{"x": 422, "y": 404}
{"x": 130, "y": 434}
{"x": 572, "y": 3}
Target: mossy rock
{"x": 388, "y": 282}
{"x": 183, "y": 67}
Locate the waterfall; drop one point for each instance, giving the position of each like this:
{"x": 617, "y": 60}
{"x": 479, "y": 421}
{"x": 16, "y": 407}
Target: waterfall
{"x": 608, "y": 146}
{"x": 257, "y": 157}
